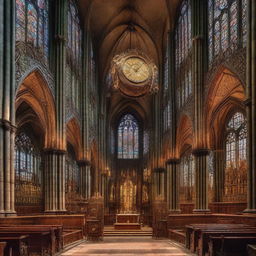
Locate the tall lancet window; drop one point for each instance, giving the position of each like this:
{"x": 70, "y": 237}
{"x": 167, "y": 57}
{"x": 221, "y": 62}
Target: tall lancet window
{"x": 226, "y": 26}
{"x": 128, "y": 138}
{"x": 236, "y": 164}
{"x": 32, "y": 23}
{"x": 74, "y": 34}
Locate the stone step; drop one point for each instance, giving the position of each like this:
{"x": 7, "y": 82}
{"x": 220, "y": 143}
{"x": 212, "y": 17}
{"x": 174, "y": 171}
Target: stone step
{"x": 127, "y": 233}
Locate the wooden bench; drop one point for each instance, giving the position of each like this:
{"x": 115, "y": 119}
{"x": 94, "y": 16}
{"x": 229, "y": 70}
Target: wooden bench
{"x": 193, "y": 232}
{"x": 2, "y": 247}
{"x": 203, "y": 243}
{"x": 251, "y": 249}
{"x": 72, "y": 235}
{"x": 229, "y": 245}
{"x": 41, "y": 238}
{"x": 177, "y": 235}
{"x": 14, "y": 245}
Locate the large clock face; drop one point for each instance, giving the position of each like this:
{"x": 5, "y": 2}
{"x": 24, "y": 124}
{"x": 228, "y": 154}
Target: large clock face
{"x": 136, "y": 70}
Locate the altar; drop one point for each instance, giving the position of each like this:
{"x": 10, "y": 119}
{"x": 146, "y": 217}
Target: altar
{"x": 127, "y": 221}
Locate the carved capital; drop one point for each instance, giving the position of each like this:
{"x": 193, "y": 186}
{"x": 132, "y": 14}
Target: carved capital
{"x": 201, "y": 152}
{"x": 172, "y": 161}
{"x": 60, "y": 39}
{"x": 248, "y": 102}
{"x": 83, "y": 162}
{"x": 7, "y": 125}
{"x": 54, "y": 151}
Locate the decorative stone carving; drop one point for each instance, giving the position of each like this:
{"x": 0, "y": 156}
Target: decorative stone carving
{"x": 29, "y": 59}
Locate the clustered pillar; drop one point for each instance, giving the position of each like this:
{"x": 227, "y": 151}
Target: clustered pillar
{"x": 199, "y": 64}
{"x": 55, "y": 181}
{"x": 85, "y": 179}
{"x": 55, "y": 158}
{"x": 7, "y": 111}
{"x": 250, "y": 105}
{"x": 173, "y": 185}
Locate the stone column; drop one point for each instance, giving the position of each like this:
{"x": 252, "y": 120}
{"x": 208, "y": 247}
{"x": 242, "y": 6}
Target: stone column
{"x": 199, "y": 65}
{"x": 201, "y": 168}
{"x": 55, "y": 158}
{"x": 54, "y": 181}
{"x": 84, "y": 169}
{"x": 172, "y": 166}
{"x": 219, "y": 175}
{"x": 250, "y": 105}
{"x": 7, "y": 109}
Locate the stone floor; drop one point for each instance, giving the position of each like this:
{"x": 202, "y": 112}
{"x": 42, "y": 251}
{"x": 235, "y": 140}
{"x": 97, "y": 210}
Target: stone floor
{"x": 127, "y": 246}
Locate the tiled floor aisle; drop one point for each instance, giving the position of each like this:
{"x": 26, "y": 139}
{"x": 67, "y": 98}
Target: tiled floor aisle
{"x": 127, "y": 246}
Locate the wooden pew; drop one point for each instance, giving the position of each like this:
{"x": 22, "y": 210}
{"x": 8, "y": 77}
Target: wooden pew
{"x": 229, "y": 245}
{"x": 193, "y": 232}
{"x": 2, "y": 247}
{"x": 41, "y": 238}
{"x": 14, "y": 245}
{"x": 203, "y": 243}
{"x": 251, "y": 248}
{"x": 58, "y": 229}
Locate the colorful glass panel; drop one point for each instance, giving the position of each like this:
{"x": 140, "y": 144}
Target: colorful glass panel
{"x": 74, "y": 32}
{"x": 32, "y": 23}
{"x": 128, "y": 138}
{"x": 224, "y": 20}
{"x": 183, "y": 44}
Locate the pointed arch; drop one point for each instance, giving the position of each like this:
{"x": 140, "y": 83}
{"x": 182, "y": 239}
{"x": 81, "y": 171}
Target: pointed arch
{"x": 226, "y": 92}
{"x": 184, "y": 134}
{"x": 74, "y": 136}
{"x": 35, "y": 92}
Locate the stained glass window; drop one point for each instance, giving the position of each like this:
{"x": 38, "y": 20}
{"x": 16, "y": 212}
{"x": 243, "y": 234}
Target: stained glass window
{"x": 74, "y": 33}
{"x": 167, "y": 116}
{"x": 128, "y": 137}
{"x": 236, "y": 164}
{"x": 28, "y": 174}
{"x": 183, "y": 44}
{"x": 224, "y": 20}
{"x": 32, "y": 23}
{"x": 187, "y": 178}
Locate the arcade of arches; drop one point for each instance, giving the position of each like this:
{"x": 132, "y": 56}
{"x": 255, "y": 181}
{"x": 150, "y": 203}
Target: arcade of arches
{"x": 127, "y": 115}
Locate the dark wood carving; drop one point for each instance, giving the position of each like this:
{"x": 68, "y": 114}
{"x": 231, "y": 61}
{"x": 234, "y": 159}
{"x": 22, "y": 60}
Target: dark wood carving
{"x": 95, "y": 218}
{"x": 159, "y": 223}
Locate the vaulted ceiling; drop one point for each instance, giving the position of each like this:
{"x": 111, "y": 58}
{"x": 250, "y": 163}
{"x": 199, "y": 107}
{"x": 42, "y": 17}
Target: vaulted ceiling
{"x": 117, "y": 25}
{"x": 120, "y": 25}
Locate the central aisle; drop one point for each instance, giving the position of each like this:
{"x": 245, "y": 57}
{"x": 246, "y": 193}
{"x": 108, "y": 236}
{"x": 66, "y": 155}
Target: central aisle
{"x": 128, "y": 246}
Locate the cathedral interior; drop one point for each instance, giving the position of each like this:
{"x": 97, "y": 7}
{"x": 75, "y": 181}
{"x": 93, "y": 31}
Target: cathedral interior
{"x": 127, "y": 127}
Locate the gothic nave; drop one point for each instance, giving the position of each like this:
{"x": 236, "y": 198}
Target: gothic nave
{"x": 127, "y": 127}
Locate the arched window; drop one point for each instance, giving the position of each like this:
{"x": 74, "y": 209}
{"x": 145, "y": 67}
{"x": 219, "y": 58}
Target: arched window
{"x": 226, "y": 26}
{"x": 28, "y": 175}
{"x": 236, "y": 164}
{"x": 183, "y": 44}
{"x": 32, "y": 23}
{"x": 187, "y": 178}
{"x": 74, "y": 34}
{"x": 128, "y": 137}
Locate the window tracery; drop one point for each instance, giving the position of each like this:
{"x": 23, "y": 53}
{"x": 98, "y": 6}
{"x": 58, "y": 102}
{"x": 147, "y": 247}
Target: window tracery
{"x": 183, "y": 41}
{"x": 128, "y": 138}
{"x": 226, "y": 26}
{"x": 28, "y": 173}
{"x": 74, "y": 34}
{"x": 187, "y": 178}
{"x": 236, "y": 164}
{"x": 32, "y": 23}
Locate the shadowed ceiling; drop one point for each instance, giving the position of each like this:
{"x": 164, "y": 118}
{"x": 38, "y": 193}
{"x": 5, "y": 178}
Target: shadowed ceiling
{"x": 120, "y": 25}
